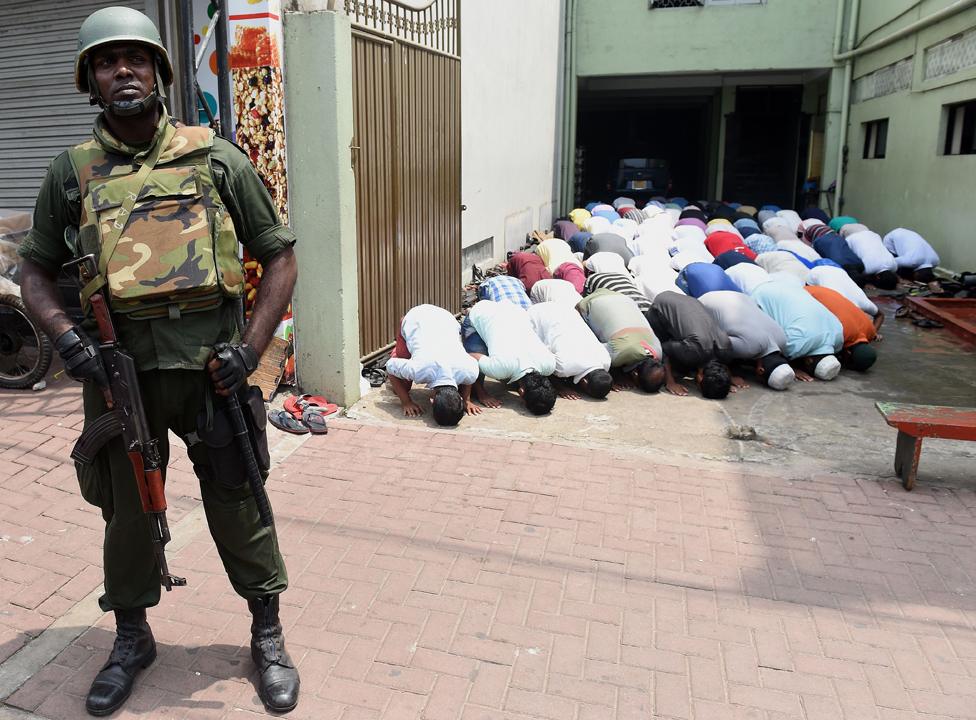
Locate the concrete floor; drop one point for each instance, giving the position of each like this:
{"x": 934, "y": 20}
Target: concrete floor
{"x": 811, "y": 427}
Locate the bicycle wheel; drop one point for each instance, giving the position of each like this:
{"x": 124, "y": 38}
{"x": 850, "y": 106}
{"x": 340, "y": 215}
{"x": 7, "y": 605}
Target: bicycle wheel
{"x": 25, "y": 351}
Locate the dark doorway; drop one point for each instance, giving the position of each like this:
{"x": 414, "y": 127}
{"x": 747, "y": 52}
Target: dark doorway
{"x": 762, "y": 144}
{"x": 610, "y": 128}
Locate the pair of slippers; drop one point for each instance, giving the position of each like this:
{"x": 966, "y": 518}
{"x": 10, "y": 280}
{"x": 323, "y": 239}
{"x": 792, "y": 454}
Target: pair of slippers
{"x": 303, "y": 414}
{"x": 921, "y": 321}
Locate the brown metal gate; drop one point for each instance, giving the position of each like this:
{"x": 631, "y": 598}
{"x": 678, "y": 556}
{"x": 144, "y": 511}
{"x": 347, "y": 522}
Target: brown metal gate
{"x": 407, "y": 159}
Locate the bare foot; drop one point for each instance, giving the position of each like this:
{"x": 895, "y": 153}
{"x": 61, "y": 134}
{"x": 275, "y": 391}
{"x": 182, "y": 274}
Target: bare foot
{"x": 487, "y": 400}
{"x": 803, "y": 375}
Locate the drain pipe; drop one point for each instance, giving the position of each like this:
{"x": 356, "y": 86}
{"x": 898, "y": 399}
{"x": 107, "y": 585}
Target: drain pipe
{"x": 568, "y": 119}
{"x": 921, "y": 23}
{"x": 845, "y": 106}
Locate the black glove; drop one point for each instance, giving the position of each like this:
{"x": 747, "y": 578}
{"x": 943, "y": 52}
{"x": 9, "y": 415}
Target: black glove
{"x": 236, "y": 363}
{"x": 82, "y": 359}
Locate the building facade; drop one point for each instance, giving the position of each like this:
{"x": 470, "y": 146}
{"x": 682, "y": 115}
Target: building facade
{"x": 911, "y": 151}
{"x": 860, "y": 106}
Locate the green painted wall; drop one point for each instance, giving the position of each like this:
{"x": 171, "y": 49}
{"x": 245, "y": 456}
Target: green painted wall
{"x": 624, "y": 37}
{"x": 318, "y": 100}
{"x": 914, "y": 185}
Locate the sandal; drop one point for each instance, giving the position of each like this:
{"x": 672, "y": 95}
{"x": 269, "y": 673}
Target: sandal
{"x": 283, "y": 420}
{"x": 902, "y": 311}
{"x": 375, "y": 375}
{"x": 297, "y": 405}
{"x": 924, "y": 322}
{"x": 314, "y": 420}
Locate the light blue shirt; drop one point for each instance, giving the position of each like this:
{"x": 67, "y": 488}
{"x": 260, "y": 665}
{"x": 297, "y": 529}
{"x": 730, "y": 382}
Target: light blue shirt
{"x": 910, "y": 249}
{"x": 514, "y": 349}
{"x": 811, "y": 329}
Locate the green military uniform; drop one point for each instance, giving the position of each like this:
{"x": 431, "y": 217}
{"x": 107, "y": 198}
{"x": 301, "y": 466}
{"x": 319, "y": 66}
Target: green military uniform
{"x": 170, "y": 350}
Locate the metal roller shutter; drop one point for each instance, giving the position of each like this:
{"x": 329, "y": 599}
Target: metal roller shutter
{"x": 41, "y": 113}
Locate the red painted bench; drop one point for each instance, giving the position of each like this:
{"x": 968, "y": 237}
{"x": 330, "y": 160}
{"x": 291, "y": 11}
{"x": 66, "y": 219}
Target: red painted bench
{"x": 915, "y": 422}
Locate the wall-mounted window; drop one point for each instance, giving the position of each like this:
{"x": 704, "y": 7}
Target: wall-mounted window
{"x": 875, "y": 139}
{"x": 960, "y": 137}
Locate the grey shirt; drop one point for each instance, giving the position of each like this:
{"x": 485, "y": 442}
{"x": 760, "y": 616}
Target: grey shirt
{"x": 752, "y": 332}
{"x": 608, "y": 242}
{"x": 680, "y": 320}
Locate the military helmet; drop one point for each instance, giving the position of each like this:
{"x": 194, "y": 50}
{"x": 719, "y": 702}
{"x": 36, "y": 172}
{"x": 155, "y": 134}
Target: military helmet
{"x": 118, "y": 24}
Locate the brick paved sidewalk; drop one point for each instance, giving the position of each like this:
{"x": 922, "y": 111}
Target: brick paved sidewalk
{"x": 445, "y": 575}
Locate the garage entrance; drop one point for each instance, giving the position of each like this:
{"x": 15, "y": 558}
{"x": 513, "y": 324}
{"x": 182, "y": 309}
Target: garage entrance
{"x": 763, "y": 146}
{"x": 674, "y": 132}
{"x": 735, "y": 137}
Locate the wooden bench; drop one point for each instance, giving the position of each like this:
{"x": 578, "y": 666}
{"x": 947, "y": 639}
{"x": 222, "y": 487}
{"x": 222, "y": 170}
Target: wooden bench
{"x": 915, "y": 422}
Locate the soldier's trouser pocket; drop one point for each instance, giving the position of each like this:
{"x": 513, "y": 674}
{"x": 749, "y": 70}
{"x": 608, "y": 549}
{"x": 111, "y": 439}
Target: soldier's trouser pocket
{"x": 226, "y": 464}
{"x": 93, "y": 477}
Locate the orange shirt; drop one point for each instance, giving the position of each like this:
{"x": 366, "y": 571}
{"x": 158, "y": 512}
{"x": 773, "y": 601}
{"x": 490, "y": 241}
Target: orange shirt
{"x": 858, "y": 327}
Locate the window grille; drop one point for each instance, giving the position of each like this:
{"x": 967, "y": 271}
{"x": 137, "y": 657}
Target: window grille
{"x": 884, "y": 81}
{"x": 950, "y": 56}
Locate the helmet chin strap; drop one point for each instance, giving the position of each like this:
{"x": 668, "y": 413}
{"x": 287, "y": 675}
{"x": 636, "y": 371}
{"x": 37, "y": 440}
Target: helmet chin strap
{"x": 126, "y": 108}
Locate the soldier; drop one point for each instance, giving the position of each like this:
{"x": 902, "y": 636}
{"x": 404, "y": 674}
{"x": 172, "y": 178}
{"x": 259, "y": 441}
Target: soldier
{"x": 163, "y": 206}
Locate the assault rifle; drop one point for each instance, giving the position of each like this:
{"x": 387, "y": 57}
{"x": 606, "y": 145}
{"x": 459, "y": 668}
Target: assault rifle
{"x": 126, "y": 417}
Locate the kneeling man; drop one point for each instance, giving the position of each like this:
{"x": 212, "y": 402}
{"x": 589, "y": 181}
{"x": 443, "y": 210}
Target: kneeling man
{"x": 429, "y": 351}
{"x": 582, "y": 361}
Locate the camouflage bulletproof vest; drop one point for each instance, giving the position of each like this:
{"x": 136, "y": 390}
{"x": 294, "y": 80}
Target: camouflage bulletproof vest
{"x": 177, "y": 250}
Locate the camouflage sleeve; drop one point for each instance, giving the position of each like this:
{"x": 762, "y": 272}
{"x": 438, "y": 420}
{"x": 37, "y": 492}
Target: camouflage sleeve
{"x": 58, "y": 206}
{"x": 259, "y": 228}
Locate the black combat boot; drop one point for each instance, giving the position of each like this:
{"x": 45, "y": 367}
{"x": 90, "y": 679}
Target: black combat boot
{"x": 278, "y": 680}
{"x": 134, "y": 650}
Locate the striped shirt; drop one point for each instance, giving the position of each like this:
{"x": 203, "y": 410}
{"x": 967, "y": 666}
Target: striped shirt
{"x": 623, "y": 284}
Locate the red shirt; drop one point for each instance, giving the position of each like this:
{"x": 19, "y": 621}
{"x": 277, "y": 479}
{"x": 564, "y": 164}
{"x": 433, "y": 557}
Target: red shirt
{"x": 724, "y": 241}
{"x": 529, "y": 268}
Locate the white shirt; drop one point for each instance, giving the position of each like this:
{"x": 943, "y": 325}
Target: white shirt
{"x": 773, "y": 222}
{"x": 554, "y": 252}
{"x": 838, "y": 280}
{"x": 868, "y": 246}
{"x": 747, "y": 276}
{"x": 514, "y": 348}
{"x": 791, "y": 217}
{"x": 596, "y": 225}
{"x": 689, "y": 231}
{"x": 652, "y": 276}
{"x": 559, "y": 291}
{"x": 654, "y": 248}
{"x": 800, "y": 248}
{"x": 576, "y": 349}
{"x": 437, "y": 357}
{"x": 688, "y": 251}
{"x": 910, "y": 249}
{"x": 605, "y": 262}
{"x": 782, "y": 261}
{"x": 627, "y": 228}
